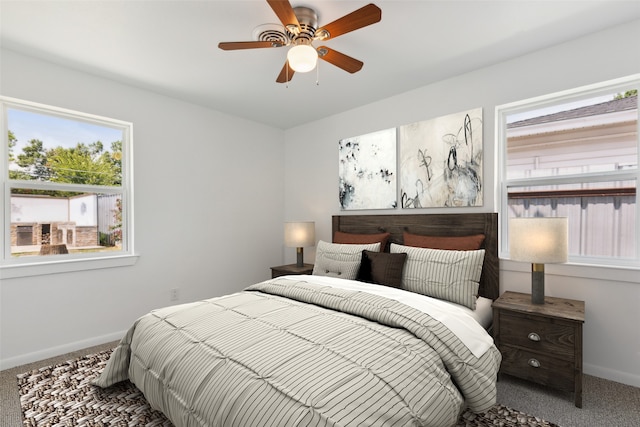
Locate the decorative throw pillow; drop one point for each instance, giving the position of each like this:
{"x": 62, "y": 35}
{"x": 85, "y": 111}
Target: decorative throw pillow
{"x": 382, "y": 268}
{"x": 340, "y": 260}
{"x": 457, "y": 243}
{"x": 361, "y": 239}
{"x": 449, "y": 275}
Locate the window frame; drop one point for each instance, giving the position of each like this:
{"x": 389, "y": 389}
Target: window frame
{"x": 503, "y": 184}
{"x": 14, "y": 267}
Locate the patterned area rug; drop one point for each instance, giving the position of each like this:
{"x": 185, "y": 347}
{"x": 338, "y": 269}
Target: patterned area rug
{"x": 62, "y": 395}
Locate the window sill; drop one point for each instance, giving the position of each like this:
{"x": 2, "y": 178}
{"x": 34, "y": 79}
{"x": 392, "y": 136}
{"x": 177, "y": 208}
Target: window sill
{"x": 66, "y": 266}
{"x": 586, "y": 271}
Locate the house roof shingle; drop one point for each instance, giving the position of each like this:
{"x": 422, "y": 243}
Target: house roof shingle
{"x": 613, "y": 106}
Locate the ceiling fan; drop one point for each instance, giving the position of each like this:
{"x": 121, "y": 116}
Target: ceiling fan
{"x": 299, "y": 30}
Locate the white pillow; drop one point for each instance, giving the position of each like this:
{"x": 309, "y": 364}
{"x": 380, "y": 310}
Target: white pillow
{"x": 340, "y": 259}
{"x": 448, "y": 275}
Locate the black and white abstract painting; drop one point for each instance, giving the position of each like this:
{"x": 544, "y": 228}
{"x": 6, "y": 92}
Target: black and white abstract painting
{"x": 441, "y": 161}
{"x": 367, "y": 171}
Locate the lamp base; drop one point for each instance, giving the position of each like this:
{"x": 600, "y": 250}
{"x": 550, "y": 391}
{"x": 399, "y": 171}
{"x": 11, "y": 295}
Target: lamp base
{"x": 537, "y": 283}
{"x": 299, "y": 257}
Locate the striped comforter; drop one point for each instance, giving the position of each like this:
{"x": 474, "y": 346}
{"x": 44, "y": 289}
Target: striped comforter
{"x": 293, "y": 353}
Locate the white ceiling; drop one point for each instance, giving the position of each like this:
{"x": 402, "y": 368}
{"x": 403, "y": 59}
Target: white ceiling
{"x": 170, "y": 47}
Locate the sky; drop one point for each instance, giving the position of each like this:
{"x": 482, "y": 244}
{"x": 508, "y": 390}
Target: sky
{"x": 55, "y": 131}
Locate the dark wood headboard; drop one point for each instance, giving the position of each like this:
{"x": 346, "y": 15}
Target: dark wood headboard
{"x": 463, "y": 224}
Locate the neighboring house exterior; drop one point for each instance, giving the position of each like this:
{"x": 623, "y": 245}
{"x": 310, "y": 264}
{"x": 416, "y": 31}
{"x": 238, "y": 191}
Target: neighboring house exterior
{"x": 38, "y": 220}
{"x": 580, "y": 141}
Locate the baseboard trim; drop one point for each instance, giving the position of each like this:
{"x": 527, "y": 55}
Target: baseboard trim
{"x": 612, "y": 375}
{"x": 46, "y": 353}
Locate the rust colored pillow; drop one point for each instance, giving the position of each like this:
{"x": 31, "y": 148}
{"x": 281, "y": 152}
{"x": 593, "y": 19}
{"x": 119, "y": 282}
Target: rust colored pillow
{"x": 457, "y": 243}
{"x": 361, "y": 239}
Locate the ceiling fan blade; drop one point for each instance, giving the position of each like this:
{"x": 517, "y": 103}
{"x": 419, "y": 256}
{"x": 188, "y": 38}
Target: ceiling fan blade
{"x": 286, "y": 74}
{"x": 340, "y": 60}
{"x": 284, "y": 11}
{"x": 247, "y": 45}
{"x": 367, "y": 15}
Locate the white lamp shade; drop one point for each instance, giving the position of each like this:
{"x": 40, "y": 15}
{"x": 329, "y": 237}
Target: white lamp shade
{"x": 538, "y": 240}
{"x": 299, "y": 234}
{"x": 302, "y": 58}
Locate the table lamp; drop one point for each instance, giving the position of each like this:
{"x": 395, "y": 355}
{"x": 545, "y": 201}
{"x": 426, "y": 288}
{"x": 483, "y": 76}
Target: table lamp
{"x": 540, "y": 241}
{"x": 298, "y": 235}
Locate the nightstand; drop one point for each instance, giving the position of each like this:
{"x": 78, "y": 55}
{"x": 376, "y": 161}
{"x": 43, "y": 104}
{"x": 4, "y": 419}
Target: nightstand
{"x": 284, "y": 270}
{"x": 541, "y": 342}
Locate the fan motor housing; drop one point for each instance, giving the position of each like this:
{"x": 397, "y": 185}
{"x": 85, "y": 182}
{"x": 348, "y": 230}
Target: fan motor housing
{"x": 271, "y": 33}
{"x": 308, "y": 20}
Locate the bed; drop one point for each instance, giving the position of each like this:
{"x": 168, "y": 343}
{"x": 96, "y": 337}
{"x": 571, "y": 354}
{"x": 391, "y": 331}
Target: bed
{"x": 330, "y": 349}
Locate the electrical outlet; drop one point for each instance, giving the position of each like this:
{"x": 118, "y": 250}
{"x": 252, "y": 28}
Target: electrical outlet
{"x": 174, "y": 294}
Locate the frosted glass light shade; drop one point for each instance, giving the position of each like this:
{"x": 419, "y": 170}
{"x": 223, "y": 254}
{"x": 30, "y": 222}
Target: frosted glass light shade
{"x": 538, "y": 240}
{"x": 302, "y": 58}
{"x": 299, "y": 234}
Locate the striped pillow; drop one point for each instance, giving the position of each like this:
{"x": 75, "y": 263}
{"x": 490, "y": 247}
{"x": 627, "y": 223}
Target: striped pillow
{"x": 449, "y": 275}
{"x": 340, "y": 259}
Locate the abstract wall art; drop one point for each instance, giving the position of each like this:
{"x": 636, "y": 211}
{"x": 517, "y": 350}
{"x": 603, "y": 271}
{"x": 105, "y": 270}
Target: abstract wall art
{"x": 441, "y": 161}
{"x": 367, "y": 171}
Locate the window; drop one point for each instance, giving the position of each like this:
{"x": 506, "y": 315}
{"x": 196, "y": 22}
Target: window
{"x": 67, "y": 192}
{"x": 575, "y": 155}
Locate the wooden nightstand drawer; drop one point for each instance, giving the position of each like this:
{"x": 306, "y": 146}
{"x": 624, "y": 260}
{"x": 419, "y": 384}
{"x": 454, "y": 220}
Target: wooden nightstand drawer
{"x": 541, "y": 342}
{"x": 537, "y": 367}
{"x": 540, "y": 334}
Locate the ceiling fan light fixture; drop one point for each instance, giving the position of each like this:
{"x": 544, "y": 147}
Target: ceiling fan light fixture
{"x": 299, "y": 30}
{"x": 302, "y": 58}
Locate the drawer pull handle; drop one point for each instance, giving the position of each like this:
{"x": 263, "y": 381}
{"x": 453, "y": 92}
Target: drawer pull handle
{"x": 534, "y": 337}
{"x": 534, "y": 363}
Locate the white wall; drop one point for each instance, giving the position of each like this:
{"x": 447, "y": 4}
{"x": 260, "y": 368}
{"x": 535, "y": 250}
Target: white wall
{"x": 611, "y": 337}
{"x": 83, "y": 210}
{"x": 39, "y": 209}
{"x": 225, "y": 241}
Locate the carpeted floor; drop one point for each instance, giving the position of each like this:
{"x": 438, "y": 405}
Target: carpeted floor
{"x": 62, "y": 395}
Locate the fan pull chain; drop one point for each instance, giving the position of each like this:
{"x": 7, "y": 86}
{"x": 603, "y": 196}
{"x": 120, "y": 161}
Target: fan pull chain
{"x": 318, "y": 74}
